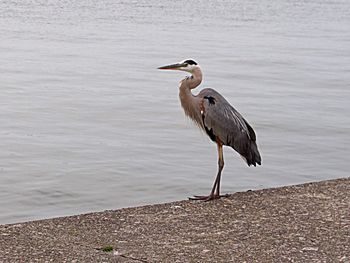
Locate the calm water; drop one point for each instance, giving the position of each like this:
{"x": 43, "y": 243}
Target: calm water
{"x": 87, "y": 123}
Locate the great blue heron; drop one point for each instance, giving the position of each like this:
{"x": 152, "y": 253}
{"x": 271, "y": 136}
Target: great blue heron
{"x": 223, "y": 124}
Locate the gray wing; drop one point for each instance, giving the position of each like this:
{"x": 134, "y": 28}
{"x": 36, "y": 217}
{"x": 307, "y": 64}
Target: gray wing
{"x": 222, "y": 121}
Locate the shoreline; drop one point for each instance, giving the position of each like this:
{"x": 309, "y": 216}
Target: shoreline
{"x": 299, "y": 223}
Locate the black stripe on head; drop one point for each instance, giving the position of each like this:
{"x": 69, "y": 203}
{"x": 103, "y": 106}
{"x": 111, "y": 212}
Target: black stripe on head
{"x": 190, "y": 62}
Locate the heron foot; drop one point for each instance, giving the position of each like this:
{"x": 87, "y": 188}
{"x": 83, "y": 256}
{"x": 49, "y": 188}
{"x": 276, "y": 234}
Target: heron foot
{"x": 207, "y": 198}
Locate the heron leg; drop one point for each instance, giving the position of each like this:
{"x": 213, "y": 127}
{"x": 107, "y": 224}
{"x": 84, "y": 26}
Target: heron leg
{"x": 221, "y": 164}
{"x": 215, "y": 191}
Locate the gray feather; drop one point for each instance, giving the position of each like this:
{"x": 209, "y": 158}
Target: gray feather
{"x": 228, "y": 125}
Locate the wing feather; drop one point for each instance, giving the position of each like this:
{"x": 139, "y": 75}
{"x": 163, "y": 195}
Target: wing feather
{"x": 227, "y": 124}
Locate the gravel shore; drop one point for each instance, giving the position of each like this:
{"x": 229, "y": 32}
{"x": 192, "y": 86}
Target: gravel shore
{"x": 302, "y": 223}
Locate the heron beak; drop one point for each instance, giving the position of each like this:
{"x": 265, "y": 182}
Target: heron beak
{"x": 176, "y": 66}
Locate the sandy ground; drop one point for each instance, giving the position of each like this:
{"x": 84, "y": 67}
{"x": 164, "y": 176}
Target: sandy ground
{"x": 303, "y": 223}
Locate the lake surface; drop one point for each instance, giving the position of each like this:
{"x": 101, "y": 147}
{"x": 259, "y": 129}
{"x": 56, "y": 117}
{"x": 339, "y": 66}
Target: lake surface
{"x": 88, "y": 123}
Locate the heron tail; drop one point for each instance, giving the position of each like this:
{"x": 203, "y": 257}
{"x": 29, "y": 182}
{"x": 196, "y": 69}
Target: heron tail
{"x": 253, "y": 157}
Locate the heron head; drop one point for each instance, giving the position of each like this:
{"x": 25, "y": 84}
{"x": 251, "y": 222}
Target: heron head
{"x": 188, "y": 65}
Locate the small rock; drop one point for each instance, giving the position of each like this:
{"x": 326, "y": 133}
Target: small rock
{"x": 343, "y": 259}
{"x": 310, "y": 249}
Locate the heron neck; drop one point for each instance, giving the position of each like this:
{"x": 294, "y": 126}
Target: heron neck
{"x": 188, "y": 100}
{"x": 195, "y": 79}
{"x": 189, "y": 83}
{"x": 192, "y": 82}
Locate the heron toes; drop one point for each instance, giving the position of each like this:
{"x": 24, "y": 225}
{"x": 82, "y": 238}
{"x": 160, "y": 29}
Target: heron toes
{"x": 206, "y": 198}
